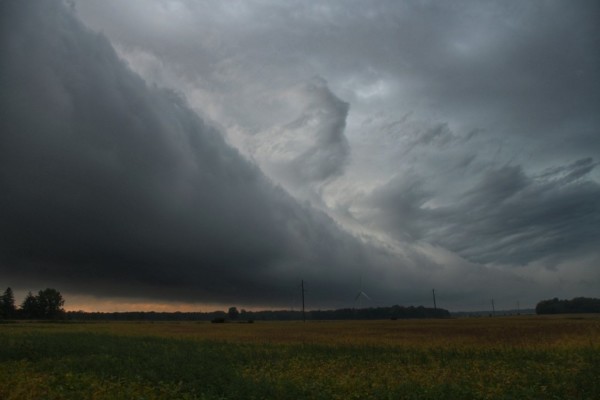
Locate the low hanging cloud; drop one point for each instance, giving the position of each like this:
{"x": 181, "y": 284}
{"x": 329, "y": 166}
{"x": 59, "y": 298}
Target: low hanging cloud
{"x": 112, "y": 187}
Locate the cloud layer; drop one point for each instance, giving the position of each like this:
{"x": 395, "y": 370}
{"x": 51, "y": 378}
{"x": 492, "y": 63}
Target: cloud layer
{"x": 117, "y": 188}
{"x": 505, "y": 218}
{"x": 220, "y": 152}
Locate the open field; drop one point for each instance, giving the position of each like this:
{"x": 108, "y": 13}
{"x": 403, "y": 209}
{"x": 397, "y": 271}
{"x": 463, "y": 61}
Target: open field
{"x": 484, "y": 358}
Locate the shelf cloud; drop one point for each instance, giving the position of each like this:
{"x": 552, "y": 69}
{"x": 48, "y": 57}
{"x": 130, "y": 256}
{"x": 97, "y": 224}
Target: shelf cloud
{"x": 219, "y": 153}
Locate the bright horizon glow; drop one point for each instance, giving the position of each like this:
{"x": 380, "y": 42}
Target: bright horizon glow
{"x": 108, "y": 305}
{"x": 90, "y": 304}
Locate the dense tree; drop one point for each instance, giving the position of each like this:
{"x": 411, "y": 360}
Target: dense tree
{"x": 576, "y": 305}
{"x": 233, "y": 313}
{"x": 395, "y": 312}
{"x": 30, "y": 307}
{"x": 48, "y": 304}
{"x": 7, "y": 304}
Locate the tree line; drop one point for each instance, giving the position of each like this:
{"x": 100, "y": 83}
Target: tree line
{"x": 578, "y": 305}
{"x": 233, "y": 314}
{"x": 47, "y": 304}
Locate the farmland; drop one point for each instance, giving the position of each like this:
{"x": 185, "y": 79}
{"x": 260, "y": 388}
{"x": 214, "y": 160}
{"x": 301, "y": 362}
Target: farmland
{"x": 525, "y": 357}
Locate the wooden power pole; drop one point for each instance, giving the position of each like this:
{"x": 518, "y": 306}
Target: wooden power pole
{"x": 303, "y": 312}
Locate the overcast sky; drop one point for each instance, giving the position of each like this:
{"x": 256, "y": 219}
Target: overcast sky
{"x": 181, "y": 154}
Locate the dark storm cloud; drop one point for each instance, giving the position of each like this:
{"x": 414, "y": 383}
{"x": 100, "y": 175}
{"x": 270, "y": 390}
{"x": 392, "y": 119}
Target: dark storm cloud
{"x": 438, "y": 130}
{"x": 505, "y": 218}
{"x": 111, "y": 187}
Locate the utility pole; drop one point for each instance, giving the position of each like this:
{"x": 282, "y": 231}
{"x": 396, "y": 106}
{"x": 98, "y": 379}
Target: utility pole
{"x": 303, "y": 312}
{"x": 434, "y": 305}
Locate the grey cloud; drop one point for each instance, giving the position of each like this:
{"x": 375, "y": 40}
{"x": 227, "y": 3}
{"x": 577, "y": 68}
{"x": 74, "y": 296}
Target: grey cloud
{"x": 112, "y": 187}
{"x": 526, "y": 72}
{"x": 571, "y": 172}
{"x": 329, "y": 153}
{"x": 531, "y": 64}
{"x": 397, "y": 206}
{"x": 498, "y": 100}
{"x": 312, "y": 148}
{"x": 508, "y": 217}
{"x": 437, "y": 136}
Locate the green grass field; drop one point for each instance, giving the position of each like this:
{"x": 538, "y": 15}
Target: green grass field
{"x": 485, "y": 358}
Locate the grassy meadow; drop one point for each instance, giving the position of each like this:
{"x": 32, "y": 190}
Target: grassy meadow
{"x": 526, "y": 357}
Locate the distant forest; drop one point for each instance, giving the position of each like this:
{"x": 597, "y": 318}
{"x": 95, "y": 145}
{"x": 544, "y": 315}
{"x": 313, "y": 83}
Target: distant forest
{"x": 578, "y": 305}
{"x": 48, "y": 304}
{"x": 233, "y": 315}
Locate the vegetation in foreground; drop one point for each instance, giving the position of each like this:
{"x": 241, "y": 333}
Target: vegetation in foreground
{"x": 484, "y": 358}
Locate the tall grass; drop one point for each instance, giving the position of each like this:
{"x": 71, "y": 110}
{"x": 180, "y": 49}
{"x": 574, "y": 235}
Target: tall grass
{"x": 502, "y": 358}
